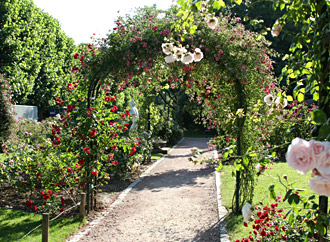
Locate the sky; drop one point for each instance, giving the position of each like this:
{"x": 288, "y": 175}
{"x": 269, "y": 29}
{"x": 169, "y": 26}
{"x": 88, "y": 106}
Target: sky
{"x": 80, "y": 19}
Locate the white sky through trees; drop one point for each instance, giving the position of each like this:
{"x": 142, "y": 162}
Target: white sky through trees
{"x": 80, "y": 19}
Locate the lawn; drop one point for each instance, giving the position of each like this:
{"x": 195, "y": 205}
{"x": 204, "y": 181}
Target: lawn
{"x": 15, "y": 224}
{"x": 235, "y": 227}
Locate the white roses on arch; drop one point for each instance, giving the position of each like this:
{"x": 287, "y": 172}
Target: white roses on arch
{"x": 175, "y": 53}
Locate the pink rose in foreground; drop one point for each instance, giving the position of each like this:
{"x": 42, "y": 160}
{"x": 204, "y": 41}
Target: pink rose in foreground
{"x": 320, "y": 185}
{"x": 318, "y": 148}
{"x": 321, "y": 154}
{"x": 299, "y": 156}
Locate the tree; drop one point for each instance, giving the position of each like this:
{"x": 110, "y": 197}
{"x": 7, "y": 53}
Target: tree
{"x": 35, "y": 54}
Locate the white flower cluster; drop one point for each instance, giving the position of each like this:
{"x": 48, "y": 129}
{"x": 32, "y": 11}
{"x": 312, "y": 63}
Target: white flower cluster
{"x": 280, "y": 102}
{"x": 175, "y": 53}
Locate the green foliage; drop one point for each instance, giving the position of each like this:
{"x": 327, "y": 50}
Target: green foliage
{"x": 36, "y": 55}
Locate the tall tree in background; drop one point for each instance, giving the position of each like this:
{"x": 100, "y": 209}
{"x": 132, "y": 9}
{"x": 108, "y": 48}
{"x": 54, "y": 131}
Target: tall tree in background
{"x": 260, "y": 16}
{"x": 35, "y": 54}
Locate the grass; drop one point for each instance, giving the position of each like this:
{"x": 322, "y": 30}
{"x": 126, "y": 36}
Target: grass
{"x": 235, "y": 227}
{"x": 15, "y": 224}
{"x": 156, "y": 156}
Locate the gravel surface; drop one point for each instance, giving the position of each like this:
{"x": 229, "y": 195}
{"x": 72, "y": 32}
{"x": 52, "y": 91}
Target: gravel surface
{"x": 175, "y": 202}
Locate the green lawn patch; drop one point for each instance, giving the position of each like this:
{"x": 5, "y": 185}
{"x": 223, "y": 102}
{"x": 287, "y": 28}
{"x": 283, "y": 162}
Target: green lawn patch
{"x": 235, "y": 227}
{"x": 156, "y": 156}
{"x": 15, "y": 224}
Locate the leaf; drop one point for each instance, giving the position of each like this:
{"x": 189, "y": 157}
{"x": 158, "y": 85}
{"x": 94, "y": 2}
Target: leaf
{"x": 198, "y": 5}
{"x": 309, "y": 64}
{"x": 238, "y": 2}
{"x": 181, "y": 2}
{"x": 289, "y": 98}
{"x": 239, "y": 167}
{"x": 324, "y": 132}
{"x": 288, "y": 193}
{"x": 245, "y": 161}
{"x": 316, "y": 96}
{"x": 291, "y": 219}
{"x": 192, "y": 29}
{"x": 271, "y": 189}
{"x": 219, "y": 167}
{"x": 319, "y": 117}
{"x": 218, "y": 4}
{"x": 300, "y": 97}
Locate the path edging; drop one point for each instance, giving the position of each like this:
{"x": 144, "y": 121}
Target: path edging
{"x": 222, "y": 211}
{"x": 123, "y": 194}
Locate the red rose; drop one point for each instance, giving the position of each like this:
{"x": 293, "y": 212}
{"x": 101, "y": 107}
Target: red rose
{"x": 76, "y": 55}
{"x": 86, "y": 149}
{"x": 81, "y": 161}
{"x": 29, "y": 203}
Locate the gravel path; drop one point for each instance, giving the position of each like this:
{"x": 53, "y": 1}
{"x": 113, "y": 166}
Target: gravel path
{"x": 175, "y": 202}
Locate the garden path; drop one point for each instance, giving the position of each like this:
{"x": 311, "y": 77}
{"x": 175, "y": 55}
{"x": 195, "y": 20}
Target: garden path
{"x": 176, "y": 201}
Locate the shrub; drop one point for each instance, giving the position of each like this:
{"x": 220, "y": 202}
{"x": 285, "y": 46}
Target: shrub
{"x": 6, "y": 109}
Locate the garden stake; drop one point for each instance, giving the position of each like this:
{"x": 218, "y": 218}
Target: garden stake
{"x": 45, "y": 227}
{"x": 82, "y": 211}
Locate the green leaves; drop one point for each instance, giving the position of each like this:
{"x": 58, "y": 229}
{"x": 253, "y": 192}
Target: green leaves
{"x": 271, "y": 189}
{"x": 319, "y": 117}
{"x": 218, "y": 4}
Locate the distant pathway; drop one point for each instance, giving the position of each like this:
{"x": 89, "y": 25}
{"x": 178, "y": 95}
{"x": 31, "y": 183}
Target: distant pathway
{"x": 176, "y": 202}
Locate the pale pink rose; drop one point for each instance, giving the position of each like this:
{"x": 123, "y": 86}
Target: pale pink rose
{"x": 179, "y": 52}
{"x": 198, "y": 55}
{"x": 212, "y": 22}
{"x": 276, "y": 30}
{"x": 269, "y": 99}
{"x": 321, "y": 154}
{"x": 247, "y": 212}
{"x": 299, "y": 156}
{"x": 320, "y": 185}
{"x": 260, "y": 168}
{"x": 281, "y": 102}
{"x": 319, "y": 148}
{"x": 170, "y": 58}
{"x": 188, "y": 58}
{"x": 167, "y": 48}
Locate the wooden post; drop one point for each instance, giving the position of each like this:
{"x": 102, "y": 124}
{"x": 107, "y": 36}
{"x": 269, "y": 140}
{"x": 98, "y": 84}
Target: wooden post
{"x": 45, "y": 227}
{"x": 82, "y": 211}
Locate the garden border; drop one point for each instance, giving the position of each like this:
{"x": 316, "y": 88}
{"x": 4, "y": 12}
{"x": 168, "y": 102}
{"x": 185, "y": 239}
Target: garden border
{"x": 222, "y": 211}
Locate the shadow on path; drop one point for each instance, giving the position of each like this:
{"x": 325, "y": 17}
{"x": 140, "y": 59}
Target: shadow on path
{"x": 174, "y": 178}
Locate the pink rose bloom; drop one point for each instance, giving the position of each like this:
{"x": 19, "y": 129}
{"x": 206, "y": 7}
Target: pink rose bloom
{"x": 299, "y": 156}
{"x": 318, "y": 148}
{"x": 320, "y": 185}
{"x": 321, "y": 154}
